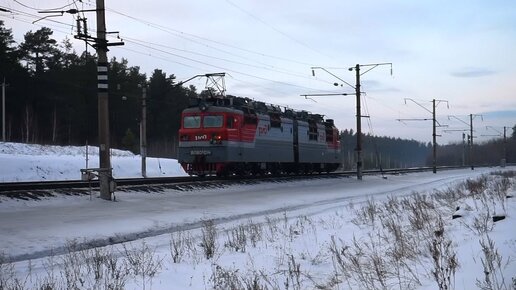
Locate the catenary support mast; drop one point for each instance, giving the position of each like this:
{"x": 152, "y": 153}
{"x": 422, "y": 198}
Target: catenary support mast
{"x": 105, "y": 174}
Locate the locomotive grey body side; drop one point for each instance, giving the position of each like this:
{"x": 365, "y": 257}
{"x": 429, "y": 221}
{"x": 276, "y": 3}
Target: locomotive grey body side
{"x": 244, "y": 139}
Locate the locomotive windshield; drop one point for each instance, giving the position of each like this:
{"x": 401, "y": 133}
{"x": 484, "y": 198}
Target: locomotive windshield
{"x": 192, "y": 122}
{"x": 212, "y": 121}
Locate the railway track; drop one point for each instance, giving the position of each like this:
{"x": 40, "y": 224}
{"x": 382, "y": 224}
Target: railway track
{"x": 38, "y": 189}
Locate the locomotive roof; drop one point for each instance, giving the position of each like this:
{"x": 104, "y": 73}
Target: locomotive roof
{"x": 213, "y": 109}
{"x": 248, "y": 105}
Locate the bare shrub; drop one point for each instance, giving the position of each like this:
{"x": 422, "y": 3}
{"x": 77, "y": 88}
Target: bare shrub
{"x": 209, "y": 238}
{"x": 8, "y": 277}
{"x": 482, "y": 223}
{"x": 237, "y": 239}
{"x": 293, "y": 277}
{"x": 419, "y": 211}
{"x": 73, "y": 271}
{"x": 143, "y": 262}
{"x": 392, "y": 206}
{"x": 272, "y": 229}
{"x": 254, "y": 282}
{"x": 400, "y": 245}
{"x": 444, "y": 259}
{"x": 499, "y": 189}
{"x": 493, "y": 265}
{"x": 179, "y": 245}
{"x": 361, "y": 263}
{"x": 225, "y": 279}
{"x": 501, "y": 186}
{"x": 476, "y": 186}
{"x": 254, "y": 232}
{"x": 50, "y": 280}
{"x": 508, "y": 174}
{"x": 447, "y": 197}
{"x": 367, "y": 215}
{"x": 116, "y": 272}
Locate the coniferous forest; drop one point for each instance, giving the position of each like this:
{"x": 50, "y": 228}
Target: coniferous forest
{"x": 51, "y": 98}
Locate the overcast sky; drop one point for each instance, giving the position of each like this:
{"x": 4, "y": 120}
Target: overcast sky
{"x": 463, "y": 52}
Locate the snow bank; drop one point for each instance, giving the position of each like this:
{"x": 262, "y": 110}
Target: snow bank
{"x": 32, "y": 162}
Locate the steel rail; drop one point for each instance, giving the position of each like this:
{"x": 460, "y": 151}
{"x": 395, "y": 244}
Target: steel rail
{"x": 9, "y": 188}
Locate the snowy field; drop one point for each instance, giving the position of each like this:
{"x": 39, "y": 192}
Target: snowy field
{"x": 24, "y": 162}
{"x": 339, "y": 233}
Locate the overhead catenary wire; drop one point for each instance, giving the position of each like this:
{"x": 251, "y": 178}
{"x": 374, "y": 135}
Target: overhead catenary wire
{"x": 182, "y": 63}
{"x": 375, "y": 144}
{"x": 189, "y": 36}
{"x": 290, "y": 73}
{"x": 222, "y": 68}
{"x": 276, "y": 29}
{"x": 38, "y": 8}
{"x": 54, "y": 27}
{"x": 180, "y": 56}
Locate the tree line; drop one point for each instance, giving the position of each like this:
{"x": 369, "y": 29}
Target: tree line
{"x": 52, "y": 96}
{"x": 52, "y": 99}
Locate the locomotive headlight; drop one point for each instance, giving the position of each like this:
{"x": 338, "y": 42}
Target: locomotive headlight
{"x": 216, "y": 139}
{"x": 184, "y": 137}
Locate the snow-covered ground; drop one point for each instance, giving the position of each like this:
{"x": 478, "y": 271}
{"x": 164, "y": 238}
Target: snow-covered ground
{"x": 335, "y": 233}
{"x": 29, "y": 162}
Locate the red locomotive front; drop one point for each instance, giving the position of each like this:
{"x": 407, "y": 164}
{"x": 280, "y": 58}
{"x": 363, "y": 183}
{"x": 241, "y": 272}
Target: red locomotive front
{"x": 209, "y": 137}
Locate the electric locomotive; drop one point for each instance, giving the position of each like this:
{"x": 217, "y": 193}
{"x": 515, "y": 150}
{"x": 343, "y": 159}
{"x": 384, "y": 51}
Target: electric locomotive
{"x": 235, "y": 135}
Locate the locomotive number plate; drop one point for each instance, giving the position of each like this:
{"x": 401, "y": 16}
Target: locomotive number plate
{"x": 201, "y": 137}
{"x": 200, "y": 152}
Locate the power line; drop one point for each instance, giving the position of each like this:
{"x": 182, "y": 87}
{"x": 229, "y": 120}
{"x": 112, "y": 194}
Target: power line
{"x": 287, "y": 72}
{"x": 220, "y": 67}
{"x": 276, "y": 29}
{"x": 54, "y": 29}
{"x": 187, "y": 58}
{"x": 35, "y": 8}
{"x": 177, "y": 62}
{"x": 184, "y": 35}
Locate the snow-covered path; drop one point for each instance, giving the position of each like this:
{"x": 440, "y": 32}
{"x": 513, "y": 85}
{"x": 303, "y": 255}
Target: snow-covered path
{"x": 34, "y": 229}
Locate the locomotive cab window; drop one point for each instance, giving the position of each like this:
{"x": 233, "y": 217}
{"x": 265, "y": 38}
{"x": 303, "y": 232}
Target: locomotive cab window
{"x": 192, "y": 122}
{"x": 230, "y": 122}
{"x": 312, "y": 131}
{"x": 275, "y": 120}
{"x": 212, "y": 121}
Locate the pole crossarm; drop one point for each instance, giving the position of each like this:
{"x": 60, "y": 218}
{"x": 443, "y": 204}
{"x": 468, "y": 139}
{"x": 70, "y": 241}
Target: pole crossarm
{"x": 326, "y": 95}
{"x": 457, "y": 118}
{"x": 334, "y": 75}
{"x": 423, "y": 119}
{"x": 372, "y": 65}
{"x": 456, "y": 130}
{"x": 70, "y": 11}
{"x": 412, "y": 100}
{"x": 493, "y": 128}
